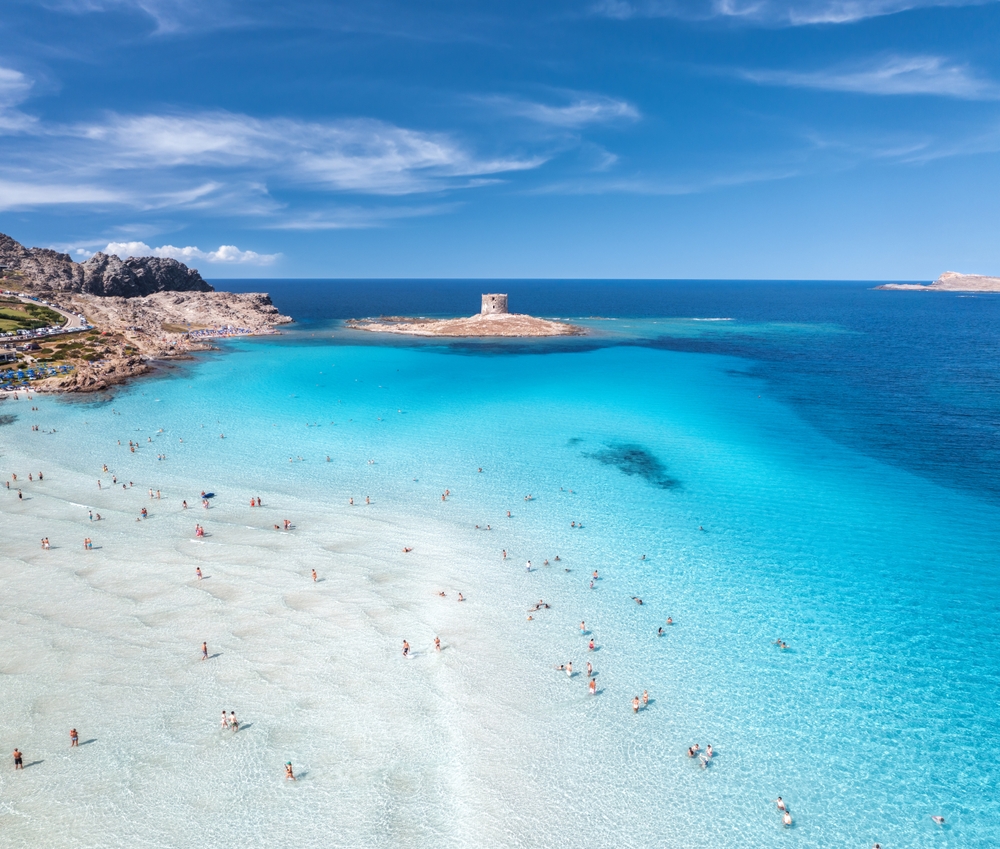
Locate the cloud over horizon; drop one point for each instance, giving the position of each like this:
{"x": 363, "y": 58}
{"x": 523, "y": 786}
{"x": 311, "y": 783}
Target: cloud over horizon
{"x": 224, "y": 254}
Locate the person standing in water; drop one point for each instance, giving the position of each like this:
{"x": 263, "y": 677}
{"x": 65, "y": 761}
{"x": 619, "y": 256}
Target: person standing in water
{"x": 289, "y": 775}
{"x": 314, "y": 575}
{"x": 197, "y": 571}
{"x": 635, "y": 704}
{"x": 18, "y": 760}
{"x": 437, "y": 644}
{"x": 406, "y": 649}
{"x": 593, "y": 686}
{"x": 74, "y": 738}
{"x": 204, "y": 651}
{"x": 225, "y": 720}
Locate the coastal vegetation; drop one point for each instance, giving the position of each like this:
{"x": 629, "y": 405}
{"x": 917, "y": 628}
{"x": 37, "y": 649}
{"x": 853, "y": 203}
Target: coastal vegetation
{"x": 17, "y": 315}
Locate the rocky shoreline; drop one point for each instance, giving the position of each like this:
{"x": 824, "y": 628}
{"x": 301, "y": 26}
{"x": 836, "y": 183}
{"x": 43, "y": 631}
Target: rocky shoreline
{"x": 143, "y": 310}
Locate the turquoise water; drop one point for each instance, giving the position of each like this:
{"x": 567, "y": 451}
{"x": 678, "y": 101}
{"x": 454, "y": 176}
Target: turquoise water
{"x": 717, "y": 450}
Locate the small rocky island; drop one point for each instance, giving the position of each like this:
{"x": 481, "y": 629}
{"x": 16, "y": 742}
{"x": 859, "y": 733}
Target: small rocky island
{"x": 121, "y": 316}
{"x": 951, "y": 281}
{"x": 494, "y": 319}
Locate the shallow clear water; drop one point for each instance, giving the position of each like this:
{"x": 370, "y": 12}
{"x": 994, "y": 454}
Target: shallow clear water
{"x": 815, "y": 469}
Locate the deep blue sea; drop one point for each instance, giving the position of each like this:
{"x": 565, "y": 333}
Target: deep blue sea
{"x": 810, "y": 462}
{"x": 912, "y": 380}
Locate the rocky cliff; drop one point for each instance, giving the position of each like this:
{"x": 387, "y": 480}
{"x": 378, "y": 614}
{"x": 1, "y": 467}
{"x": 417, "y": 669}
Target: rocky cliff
{"x": 142, "y": 309}
{"x": 49, "y": 273}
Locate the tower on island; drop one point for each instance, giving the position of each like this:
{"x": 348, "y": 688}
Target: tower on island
{"x": 494, "y": 305}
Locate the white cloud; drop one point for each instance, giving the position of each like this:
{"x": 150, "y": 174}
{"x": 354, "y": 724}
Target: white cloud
{"x": 768, "y": 12}
{"x": 894, "y": 75}
{"x": 14, "y": 89}
{"x": 227, "y": 254}
{"x": 26, "y": 195}
{"x": 365, "y": 156}
{"x": 591, "y": 109}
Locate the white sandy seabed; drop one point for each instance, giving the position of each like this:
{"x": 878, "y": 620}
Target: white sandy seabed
{"x": 478, "y": 745}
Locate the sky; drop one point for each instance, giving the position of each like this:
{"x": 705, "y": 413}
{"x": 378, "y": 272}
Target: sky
{"x": 770, "y": 139}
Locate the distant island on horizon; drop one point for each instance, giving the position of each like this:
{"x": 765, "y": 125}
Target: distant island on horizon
{"x": 951, "y": 281}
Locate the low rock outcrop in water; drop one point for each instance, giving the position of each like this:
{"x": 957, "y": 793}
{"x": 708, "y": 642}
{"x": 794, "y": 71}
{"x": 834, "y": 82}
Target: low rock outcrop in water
{"x": 478, "y": 325}
{"x": 49, "y": 273}
{"x": 951, "y": 281}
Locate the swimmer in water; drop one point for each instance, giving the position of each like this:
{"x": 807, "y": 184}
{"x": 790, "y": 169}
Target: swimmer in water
{"x": 670, "y": 621}
{"x": 938, "y": 820}
{"x": 659, "y": 631}
{"x": 637, "y": 600}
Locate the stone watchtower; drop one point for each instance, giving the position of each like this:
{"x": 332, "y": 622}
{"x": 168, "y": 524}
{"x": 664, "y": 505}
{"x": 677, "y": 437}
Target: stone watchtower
{"x": 494, "y": 305}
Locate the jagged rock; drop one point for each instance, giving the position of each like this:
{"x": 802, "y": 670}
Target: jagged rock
{"x": 93, "y": 377}
{"x": 50, "y": 272}
{"x": 48, "y": 269}
{"x": 106, "y": 275}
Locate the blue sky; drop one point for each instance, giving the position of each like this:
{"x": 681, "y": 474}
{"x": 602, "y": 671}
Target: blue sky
{"x": 855, "y": 139}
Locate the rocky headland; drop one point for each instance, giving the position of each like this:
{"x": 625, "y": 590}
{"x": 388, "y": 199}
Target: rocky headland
{"x": 951, "y": 281}
{"x": 143, "y": 309}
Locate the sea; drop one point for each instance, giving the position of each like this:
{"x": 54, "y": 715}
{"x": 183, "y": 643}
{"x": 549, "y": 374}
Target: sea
{"x": 801, "y": 477}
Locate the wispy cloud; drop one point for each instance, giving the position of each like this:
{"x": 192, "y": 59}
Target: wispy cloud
{"x": 169, "y": 16}
{"x": 14, "y": 90}
{"x": 579, "y": 112}
{"x": 16, "y": 195}
{"x": 665, "y": 186}
{"x": 779, "y": 13}
{"x": 224, "y": 254}
{"x": 358, "y": 217}
{"x": 363, "y": 155}
{"x": 892, "y": 75}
